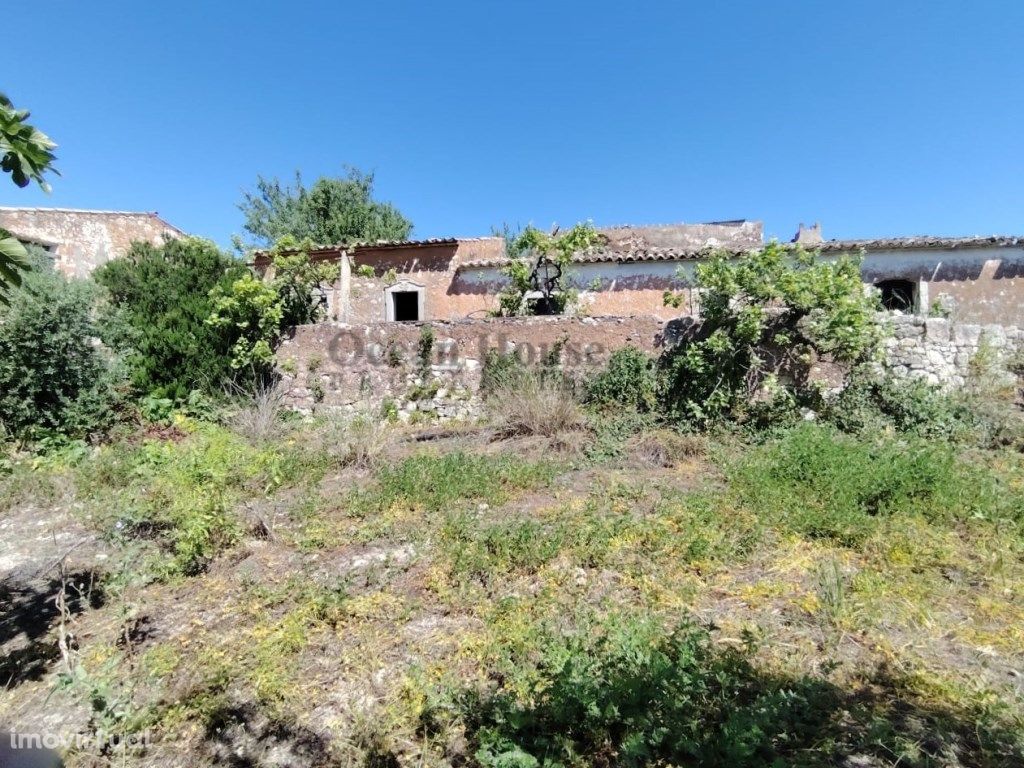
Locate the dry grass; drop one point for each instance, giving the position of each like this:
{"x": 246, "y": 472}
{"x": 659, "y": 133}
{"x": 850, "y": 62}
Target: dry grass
{"x": 368, "y": 439}
{"x": 535, "y": 406}
{"x": 357, "y": 441}
{"x": 665, "y": 447}
{"x": 259, "y": 419}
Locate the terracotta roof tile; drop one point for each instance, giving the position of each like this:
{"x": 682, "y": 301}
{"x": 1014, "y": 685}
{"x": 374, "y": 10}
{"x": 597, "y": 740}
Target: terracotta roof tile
{"x": 605, "y": 255}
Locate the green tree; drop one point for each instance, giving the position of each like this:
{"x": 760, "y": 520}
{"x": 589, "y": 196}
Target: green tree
{"x": 764, "y": 318}
{"x": 254, "y": 312}
{"x": 251, "y": 312}
{"x": 526, "y": 249}
{"x": 53, "y": 376}
{"x": 159, "y": 300}
{"x": 26, "y": 153}
{"x": 333, "y": 210}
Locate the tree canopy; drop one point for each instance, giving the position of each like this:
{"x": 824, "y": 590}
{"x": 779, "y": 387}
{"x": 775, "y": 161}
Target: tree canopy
{"x": 159, "y": 301}
{"x": 26, "y": 153}
{"x": 333, "y": 210}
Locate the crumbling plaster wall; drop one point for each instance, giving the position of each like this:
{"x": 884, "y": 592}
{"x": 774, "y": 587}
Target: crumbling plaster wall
{"x": 979, "y": 285}
{"x": 362, "y": 298}
{"x": 609, "y": 289}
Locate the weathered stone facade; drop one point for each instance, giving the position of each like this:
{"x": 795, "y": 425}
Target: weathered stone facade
{"x": 948, "y": 353}
{"x": 81, "y": 240}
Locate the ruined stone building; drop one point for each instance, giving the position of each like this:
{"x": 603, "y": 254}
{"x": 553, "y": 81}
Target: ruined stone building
{"x": 972, "y": 279}
{"x": 80, "y": 240}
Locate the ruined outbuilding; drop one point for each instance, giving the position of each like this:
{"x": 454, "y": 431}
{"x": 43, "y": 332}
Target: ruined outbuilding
{"x": 80, "y": 240}
{"x": 970, "y": 279}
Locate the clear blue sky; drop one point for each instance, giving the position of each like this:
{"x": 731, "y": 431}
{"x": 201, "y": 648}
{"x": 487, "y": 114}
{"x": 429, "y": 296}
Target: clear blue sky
{"x": 876, "y": 118}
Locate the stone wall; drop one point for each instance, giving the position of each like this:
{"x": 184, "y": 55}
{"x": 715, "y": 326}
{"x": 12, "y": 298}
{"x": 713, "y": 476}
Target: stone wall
{"x": 368, "y": 366}
{"x": 944, "y": 352}
{"x": 81, "y": 240}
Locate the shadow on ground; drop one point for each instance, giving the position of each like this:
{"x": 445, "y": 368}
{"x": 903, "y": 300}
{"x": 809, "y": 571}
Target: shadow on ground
{"x": 687, "y": 703}
{"x": 242, "y": 736}
{"x": 28, "y": 615}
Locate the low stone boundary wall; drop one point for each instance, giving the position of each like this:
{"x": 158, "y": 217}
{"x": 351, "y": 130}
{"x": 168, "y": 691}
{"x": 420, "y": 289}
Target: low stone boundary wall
{"x": 943, "y": 352}
{"x": 382, "y": 364}
{"x": 350, "y": 366}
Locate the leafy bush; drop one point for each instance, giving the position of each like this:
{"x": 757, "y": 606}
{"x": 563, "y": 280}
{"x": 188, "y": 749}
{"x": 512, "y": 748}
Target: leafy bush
{"x": 53, "y": 375}
{"x": 300, "y": 282}
{"x": 819, "y": 482}
{"x": 158, "y": 305}
{"x": 253, "y": 312}
{"x": 763, "y": 319}
{"x": 250, "y": 313}
{"x": 626, "y": 692}
{"x": 870, "y": 403}
{"x": 627, "y": 381}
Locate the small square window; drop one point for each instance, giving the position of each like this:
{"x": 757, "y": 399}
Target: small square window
{"x": 898, "y": 295}
{"x": 406, "y": 306}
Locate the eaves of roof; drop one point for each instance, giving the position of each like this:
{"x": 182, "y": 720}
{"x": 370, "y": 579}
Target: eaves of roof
{"x": 604, "y": 255}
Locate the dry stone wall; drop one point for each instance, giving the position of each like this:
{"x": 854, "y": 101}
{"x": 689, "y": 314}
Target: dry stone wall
{"x": 945, "y": 353}
{"x": 379, "y": 366}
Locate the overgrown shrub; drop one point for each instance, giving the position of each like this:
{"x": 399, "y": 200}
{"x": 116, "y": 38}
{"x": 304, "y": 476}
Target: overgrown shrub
{"x": 536, "y": 405}
{"x": 870, "y": 403}
{"x": 628, "y": 381}
{"x": 822, "y": 483}
{"x": 253, "y": 312}
{"x": 764, "y": 318}
{"x": 501, "y": 370}
{"x": 158, "y": 306}
{"x": 626, "y": 692}
{"x": 54, "y": 376}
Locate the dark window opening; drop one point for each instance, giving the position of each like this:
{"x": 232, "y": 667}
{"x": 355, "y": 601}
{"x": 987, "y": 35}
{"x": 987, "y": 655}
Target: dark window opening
{"x": 406, "y": 306}
{"x": 898, "y": 295}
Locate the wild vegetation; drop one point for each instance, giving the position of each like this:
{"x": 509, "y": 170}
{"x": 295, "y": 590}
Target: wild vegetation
{"x": 157, "y": 304}
{"x": 333, "y": 210}
{"x": 26, "y": 153}
{"x": 595, "y": 573}
{"x": 528, "y": 292}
